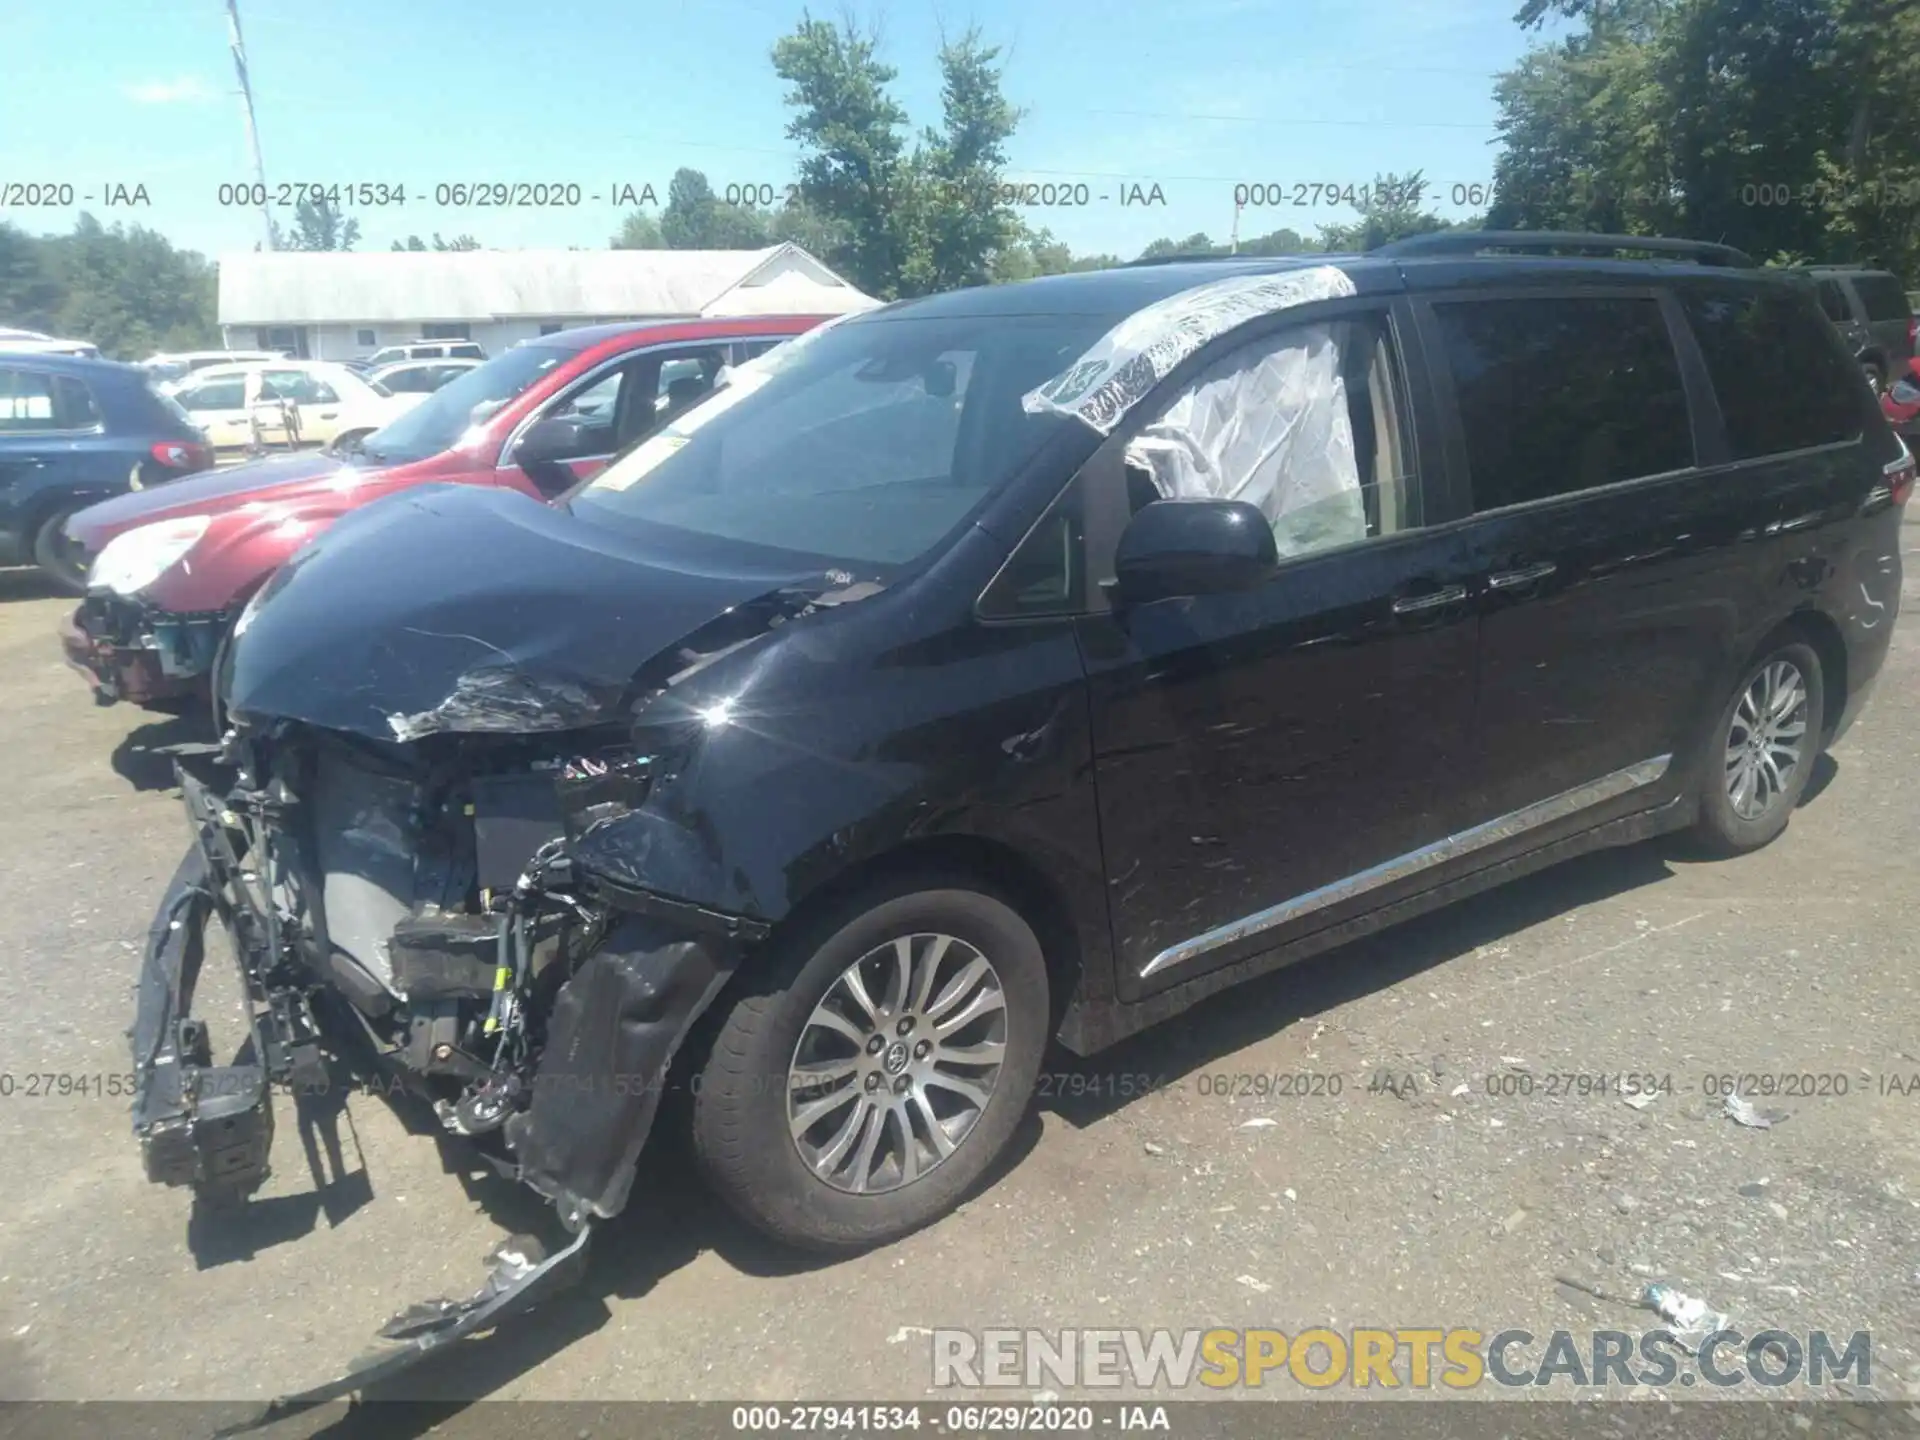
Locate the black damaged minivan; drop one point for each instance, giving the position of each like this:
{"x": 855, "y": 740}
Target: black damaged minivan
{"x": 1018, "y": 664}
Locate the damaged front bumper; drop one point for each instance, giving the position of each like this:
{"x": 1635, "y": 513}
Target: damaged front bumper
{"x": 126, "y": 651}
{"x": 572, "y": 1126}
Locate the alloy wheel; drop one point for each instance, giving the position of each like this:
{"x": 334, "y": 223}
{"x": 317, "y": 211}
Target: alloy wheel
{"x": 1766, "y": 740}
{"x": 897, "y": 1063}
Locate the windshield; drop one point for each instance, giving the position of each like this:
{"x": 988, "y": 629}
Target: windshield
{"x": 438, "y": 422}
{"x": 865, "y": 442}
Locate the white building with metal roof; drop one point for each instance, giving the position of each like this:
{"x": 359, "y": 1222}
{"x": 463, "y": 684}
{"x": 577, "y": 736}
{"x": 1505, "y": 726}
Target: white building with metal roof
{"x": 341, "y": 305}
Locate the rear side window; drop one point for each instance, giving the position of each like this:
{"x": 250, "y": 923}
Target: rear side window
{"x": 1882, "y": 297}
{"x": 227, "y": 393}
{"x": 26, "y": 400}
{"x": 1782, "y": 383}
{"x": 1562, "y": 395}
{"x": 73, "y": 404}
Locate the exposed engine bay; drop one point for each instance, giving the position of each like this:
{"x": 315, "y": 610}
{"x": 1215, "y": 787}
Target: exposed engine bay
{"x": 420, "y": 898}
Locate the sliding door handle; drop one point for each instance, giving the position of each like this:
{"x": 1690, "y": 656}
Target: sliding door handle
{"x": 1525, "y": 575}
{"x": 1432, "y": 600}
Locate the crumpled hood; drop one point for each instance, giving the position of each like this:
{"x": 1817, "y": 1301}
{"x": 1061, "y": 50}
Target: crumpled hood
{"x": 212, "y": 491}
{"x": 461, "y": 608}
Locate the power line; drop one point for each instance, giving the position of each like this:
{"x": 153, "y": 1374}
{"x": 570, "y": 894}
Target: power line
{"x": 1269, "y": 120}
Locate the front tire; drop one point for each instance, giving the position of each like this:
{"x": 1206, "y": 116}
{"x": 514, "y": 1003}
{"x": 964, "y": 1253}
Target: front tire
{"x": 875, "y": 1067}
{"x": 57, "y": 555}
{"x": 1760, "y": 754}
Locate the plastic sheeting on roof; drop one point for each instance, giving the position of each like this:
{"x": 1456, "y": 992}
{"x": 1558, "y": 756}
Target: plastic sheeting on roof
{"x": 1267, "y": 424}
{"x": 1130, "y": 359}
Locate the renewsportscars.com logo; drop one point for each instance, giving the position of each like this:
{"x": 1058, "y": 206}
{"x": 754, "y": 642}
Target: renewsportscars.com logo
{"x": 1417, "y": 1359}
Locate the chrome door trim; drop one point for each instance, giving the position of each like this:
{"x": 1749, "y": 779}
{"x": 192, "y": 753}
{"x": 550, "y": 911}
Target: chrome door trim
{"x": 1525, "y": 575}
{"x": 1465, "y": 842}
{"x": 1432, "y": 600}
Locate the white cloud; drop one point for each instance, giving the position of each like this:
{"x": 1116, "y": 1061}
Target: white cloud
{"x": 188, "y": 90}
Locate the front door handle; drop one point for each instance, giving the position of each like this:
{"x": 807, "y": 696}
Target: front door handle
{"x": 1525, "y": 575}
{"x": 1432, "y": 600}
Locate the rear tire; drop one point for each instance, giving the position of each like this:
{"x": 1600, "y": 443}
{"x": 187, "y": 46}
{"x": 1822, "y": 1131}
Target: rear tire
{"x": 1760, "y": 754}
{"x": 57, "y": 555}
{"x": 889, "y": 1148}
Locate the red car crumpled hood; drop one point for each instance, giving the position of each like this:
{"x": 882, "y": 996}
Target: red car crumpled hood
{"x": 282, "y": 477}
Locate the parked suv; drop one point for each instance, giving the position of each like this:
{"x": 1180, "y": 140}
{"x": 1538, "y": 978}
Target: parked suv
{"x": 426, "y": 350}
{"x": 74, "y": 432}
{"x": 171, "y": 571}
{"x": 1870, "y": 309}
{"x": 1017, "y": 664}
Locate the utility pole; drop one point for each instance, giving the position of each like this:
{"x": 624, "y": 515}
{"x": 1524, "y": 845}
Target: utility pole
{"x": 1233, "y": 243}
{"x": 239, "y": 49}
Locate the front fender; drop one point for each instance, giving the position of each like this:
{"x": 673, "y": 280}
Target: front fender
{"x": 849, "y": 735}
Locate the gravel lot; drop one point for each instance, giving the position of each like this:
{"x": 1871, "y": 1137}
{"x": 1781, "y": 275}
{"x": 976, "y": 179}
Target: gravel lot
{"x": 1446, "y": 1203}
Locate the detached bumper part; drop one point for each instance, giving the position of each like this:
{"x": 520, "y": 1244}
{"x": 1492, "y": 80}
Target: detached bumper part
{"x": 523, "y": 1274}
{"x": 198, "y": 1124}
{"x": 614, "y": 1029}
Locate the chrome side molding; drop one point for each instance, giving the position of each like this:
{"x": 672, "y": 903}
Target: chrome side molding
{"x": 1465, "y": 842}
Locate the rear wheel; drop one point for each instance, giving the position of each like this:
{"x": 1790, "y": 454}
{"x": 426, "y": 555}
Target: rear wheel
{"x": 59, "y": 557}
{"x": 876, "y": 1069}
{"x": 1760, "y": 755}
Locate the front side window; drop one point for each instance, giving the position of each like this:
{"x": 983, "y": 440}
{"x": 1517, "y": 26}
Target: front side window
{"x": 301, "y": 386}
{"x": 73, "y": 404}
{"x": 1302, "y": 423}
{"x": 26, "y": 400}
{"x": 1781, "y": 382}
{"x": 867, "y": 442}
{"x": 438, "y": 422}
{"x": 1562, "y": 395}
{"x": 1833, "y": 300}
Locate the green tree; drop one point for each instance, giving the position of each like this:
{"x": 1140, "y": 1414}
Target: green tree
{"x": 29, "y": 290}
{"x": 856, "y": 172}
{"x": 1198, "y": 243}
{"x": 965, "y": 222}
{"x": 639, "y": 231}
{"x": 319, "y": 225}
{"x": 459, "y": 242}
{"x": 696, "y": 219}
{"x": 1034, "y": 253}
{"x": 1392, "y": 208}
{"x": 1780, "y": 126}
{"x": 127, "y": 289}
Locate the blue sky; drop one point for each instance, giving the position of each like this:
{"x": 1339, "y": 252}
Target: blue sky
{"x": 1192, "y": 95}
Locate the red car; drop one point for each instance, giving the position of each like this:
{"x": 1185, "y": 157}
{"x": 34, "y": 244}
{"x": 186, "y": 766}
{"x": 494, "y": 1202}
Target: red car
{"x": 1900, "y": 401}
{"x": 172, "y": 567}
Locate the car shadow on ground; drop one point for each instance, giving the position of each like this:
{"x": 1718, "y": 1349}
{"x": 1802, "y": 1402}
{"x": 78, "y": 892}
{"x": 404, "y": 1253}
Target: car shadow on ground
{"x": 141, "y": 759}
{"x": 671, "y": 1218}
{"x": 1249, "y": 1012}
{"x": 29, "y": 582}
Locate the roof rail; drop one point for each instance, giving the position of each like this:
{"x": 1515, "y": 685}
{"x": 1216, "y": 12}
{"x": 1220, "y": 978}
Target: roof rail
{"x": 1471, "y": 242}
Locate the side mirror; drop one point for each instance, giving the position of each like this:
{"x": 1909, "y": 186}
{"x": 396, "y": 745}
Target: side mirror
{"x": 940, "y": 379}
{"x": 1193, "y": 547}
{"x": 547, "y": 441}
